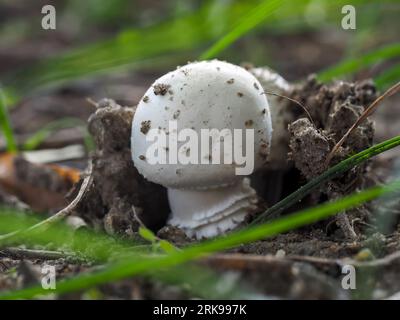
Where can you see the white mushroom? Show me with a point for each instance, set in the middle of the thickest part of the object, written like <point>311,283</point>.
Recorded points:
<point>207,197</point>
<point>272,82</point>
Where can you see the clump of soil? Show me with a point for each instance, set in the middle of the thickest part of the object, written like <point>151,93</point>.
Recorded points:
<point>333,109</point>
<point>118,189</point>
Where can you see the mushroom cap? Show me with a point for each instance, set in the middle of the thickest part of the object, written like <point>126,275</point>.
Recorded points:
<point>270,80</point>
<point>201,95</point>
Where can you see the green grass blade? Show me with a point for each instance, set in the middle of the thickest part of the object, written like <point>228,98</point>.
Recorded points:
<point>6,125</point>
<point>42,134</point>
<point>355,64</point>
<point>251,20</point>
<point>166,43</point>
<point>388,77</point>
<point>97,246</point>
<point>331,173</point>
<point>126,267</point>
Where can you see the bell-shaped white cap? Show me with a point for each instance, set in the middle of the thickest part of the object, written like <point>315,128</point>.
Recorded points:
<point>201,95</point>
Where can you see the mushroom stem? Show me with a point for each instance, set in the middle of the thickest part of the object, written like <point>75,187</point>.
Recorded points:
<point>207,213</point>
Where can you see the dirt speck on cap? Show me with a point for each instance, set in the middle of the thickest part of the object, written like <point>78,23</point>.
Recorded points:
<point>263,150</point>
<point>248,123</point>
<point>145,126</point>
<point>145,99</point>
<point>185,72</point>
<point>256,86</point>
<point>176,114</point>
<point>247,65</point>
<point>240,94</point>
<point>161,89</point>
<point>230,81</point>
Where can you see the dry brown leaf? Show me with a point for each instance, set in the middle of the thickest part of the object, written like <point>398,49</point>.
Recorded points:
<point>43,188</point>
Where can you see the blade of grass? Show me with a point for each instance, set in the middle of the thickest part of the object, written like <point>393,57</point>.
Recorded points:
<point>160,44</point>
<point>126,267</point>
<point>287,17</point>
<point>6,125</point>
<point>99,248</point>
<point>251,20</point>
<point>42,134</point>
<point>355,64</point>
<point>386,78</point>
<point>93,245</point>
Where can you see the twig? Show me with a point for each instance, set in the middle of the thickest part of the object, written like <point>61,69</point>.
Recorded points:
<point>19,253</point>
<point>136,217</point>
<point>367,112</point>
<point>68,210</point>
<point>141,224</point>
<point>295,101</point>
<point>377,263</point>
<point>92,102</point>
<point>383,262</point>
<point>314,260</point>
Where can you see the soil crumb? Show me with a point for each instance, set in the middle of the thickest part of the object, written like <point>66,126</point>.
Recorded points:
<point>161,89</point>
<point>145,126</point>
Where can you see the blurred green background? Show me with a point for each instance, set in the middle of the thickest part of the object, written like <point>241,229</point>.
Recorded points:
<point>116,48</point>
<point>294,37</point>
